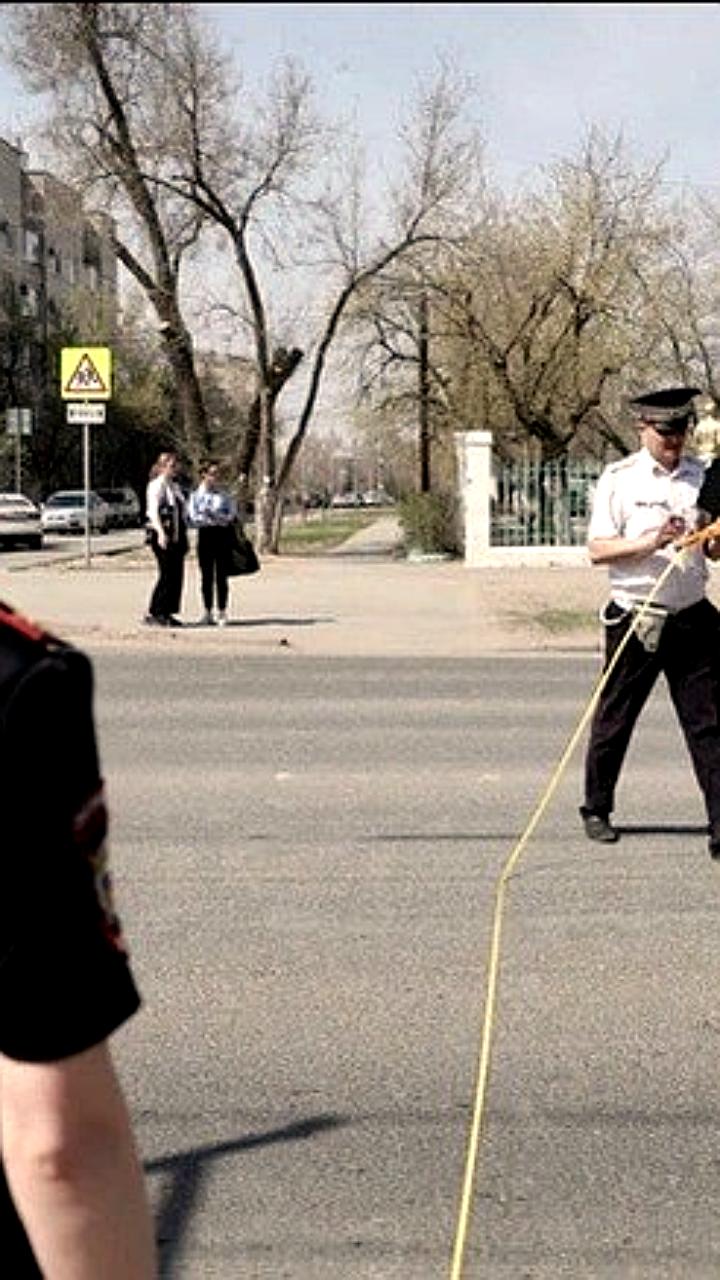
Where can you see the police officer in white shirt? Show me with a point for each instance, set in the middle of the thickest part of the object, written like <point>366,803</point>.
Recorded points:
<point>643,504</point>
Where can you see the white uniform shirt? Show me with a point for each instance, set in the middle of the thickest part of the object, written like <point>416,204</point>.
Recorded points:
<point>635,495</point>
<point>162,492</point>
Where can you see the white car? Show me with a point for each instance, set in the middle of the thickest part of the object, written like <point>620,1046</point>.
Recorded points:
<point>341,500</point>
<point>64,512</point>
<point>20,520</point>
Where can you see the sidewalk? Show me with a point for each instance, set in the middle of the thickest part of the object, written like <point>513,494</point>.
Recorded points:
<point>361,599</point>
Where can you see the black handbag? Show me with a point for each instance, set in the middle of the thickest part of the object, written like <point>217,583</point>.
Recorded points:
<point>242,558</point>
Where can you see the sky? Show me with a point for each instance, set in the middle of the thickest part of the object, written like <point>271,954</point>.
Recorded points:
<point>544,74</point>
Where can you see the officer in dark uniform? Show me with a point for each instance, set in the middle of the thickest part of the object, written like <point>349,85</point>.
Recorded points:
<point>709,496</point>
<point>643,505</point>
<point>65,981</point>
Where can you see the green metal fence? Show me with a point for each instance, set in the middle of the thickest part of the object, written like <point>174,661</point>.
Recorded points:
<point>538,504</point>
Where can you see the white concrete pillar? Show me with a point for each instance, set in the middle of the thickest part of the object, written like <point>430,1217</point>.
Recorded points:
<point>475,478</point>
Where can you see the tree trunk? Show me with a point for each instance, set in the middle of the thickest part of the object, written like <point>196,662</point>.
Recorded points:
<point>284,364</point>
<point>424,395</point>
<point>194,430</point>
<point>267,521</point>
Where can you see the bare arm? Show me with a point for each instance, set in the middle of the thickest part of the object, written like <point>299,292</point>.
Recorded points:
<point>607,550</point>
<point>152,511</point>
<point>73,1170</point>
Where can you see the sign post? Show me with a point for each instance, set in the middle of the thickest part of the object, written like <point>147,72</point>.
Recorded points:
<point>18,423</point>
<point>85,376</point>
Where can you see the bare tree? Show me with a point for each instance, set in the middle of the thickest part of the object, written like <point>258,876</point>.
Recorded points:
<point>444,159</point>
<point>255,194</point>
<point>681,294</point>
<point>147,100</point>
<point>553,309</point>
<point>105,68</point>
<point>540,314</point>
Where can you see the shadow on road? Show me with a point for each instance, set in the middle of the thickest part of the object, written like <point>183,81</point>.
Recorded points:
<point>186,1171</point>
<point>662,829</point>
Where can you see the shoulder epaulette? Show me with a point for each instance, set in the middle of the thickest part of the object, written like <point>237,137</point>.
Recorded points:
<point>622,463</point>
<point>20,625</point>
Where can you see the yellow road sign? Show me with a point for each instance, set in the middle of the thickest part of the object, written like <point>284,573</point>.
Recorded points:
<point>85,373</point>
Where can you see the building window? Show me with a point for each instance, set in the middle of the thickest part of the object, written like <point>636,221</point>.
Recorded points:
<point>32,245</point>
<point>91,247</point>
<point>29,300</point>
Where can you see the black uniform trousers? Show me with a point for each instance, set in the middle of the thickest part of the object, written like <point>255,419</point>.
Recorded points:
<point>165,599</point>
<point>689,657</point>
<point>213,549</point>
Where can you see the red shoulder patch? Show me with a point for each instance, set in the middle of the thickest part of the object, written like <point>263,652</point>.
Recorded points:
<point>25,626</point>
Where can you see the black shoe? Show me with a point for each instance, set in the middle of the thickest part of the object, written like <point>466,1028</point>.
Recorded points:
<point>597,827</point>
<point>172,621</point>
<point>152,620</point>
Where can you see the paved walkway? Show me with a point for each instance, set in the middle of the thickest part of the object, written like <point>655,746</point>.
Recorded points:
<point>363,599</point>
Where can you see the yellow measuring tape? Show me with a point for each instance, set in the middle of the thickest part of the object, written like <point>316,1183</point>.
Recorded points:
<point>494,954</point>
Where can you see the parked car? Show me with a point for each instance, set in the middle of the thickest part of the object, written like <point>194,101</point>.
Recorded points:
<point>64,512</point>
<point>341,500</point>
<point>377,498</point>
<point>124,504</point>
<point>20,520</point>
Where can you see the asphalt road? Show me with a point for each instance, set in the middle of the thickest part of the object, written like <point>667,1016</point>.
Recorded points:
<point>306,854</point>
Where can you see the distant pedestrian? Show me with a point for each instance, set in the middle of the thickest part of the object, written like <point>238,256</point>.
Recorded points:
<point>213,512</point>
<point>166,520</point>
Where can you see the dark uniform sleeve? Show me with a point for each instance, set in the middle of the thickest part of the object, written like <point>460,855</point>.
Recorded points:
<point>65,981</point>
<point>709,495</point>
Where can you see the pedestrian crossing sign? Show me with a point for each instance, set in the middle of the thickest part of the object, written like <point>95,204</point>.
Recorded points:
<point>85,373</point>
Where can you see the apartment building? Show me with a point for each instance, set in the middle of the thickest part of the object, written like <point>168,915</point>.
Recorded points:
<point>57,266</point>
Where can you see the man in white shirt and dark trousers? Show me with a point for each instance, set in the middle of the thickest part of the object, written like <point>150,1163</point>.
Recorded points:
<point>643,505</point>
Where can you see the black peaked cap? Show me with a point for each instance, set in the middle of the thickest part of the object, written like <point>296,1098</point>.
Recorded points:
<point>666,407</point>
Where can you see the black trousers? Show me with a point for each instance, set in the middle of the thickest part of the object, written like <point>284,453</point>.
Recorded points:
<point>212,550</point>
<point>167,593</point>
<point>689,657</point>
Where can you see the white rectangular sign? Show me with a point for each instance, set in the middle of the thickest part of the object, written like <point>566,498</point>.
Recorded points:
<point>77,414</point>
<point>18,420</point>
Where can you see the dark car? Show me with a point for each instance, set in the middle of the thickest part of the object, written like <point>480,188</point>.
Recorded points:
<point>124,506</point>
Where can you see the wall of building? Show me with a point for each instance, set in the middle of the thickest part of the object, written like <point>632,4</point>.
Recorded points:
<point>11,213</point>
<point>58,256</point>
